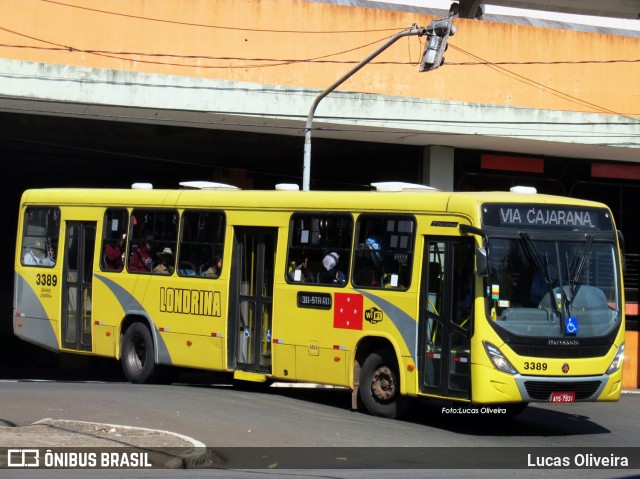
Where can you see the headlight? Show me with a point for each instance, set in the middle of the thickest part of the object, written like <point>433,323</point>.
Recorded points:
<point>498,359</point>
<point>617,360</point>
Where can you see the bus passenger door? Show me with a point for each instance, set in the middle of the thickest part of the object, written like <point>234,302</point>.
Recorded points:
<point>446,317</point>
<point>77,280</point>
<point>251,298</point>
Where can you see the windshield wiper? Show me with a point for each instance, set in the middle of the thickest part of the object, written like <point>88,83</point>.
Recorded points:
<point>534,258</point>
<point>578,265</point>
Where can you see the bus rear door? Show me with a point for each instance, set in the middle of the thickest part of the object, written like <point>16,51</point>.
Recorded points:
<point>251,299</point>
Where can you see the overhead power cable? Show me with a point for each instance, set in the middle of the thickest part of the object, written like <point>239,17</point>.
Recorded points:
<point>533,132</point>
<point>546,88</point>
<point>276,61</point>
<point>125,55</point>
<point>492,65</point>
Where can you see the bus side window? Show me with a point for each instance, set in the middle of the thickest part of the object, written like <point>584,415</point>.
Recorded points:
<point>202,235</point>
<point>384,251</point>
<point>114,236</point>
<point>315,238</point>
<point>153,231</point>
<point>40,236</point>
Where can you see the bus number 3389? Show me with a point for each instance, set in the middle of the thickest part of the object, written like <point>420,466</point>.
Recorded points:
<point>46,280</point>
<point>533,366</point>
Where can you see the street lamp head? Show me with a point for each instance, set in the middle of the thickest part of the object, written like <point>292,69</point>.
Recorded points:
<point>438,32</point>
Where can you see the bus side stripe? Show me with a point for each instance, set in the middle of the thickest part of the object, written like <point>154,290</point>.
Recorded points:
<point>405,324</point>
<point>40,330</point>
<point>129,304</point>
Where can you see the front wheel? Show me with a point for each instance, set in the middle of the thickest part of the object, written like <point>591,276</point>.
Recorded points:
<point>137,357</point>
<point>380,385</point>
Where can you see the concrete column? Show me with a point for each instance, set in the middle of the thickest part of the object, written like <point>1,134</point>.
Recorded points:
<point>437,167</point>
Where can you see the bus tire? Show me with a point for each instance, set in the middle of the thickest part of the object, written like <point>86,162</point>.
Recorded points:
<point>137,357</point>
<point>380,385</point>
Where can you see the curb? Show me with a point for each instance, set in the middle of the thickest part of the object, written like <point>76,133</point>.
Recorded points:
<point>165,449</point>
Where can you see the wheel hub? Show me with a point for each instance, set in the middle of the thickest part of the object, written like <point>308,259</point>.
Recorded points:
<point>382,384</point>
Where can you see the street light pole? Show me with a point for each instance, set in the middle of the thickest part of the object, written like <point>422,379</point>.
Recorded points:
<point>306,172</point>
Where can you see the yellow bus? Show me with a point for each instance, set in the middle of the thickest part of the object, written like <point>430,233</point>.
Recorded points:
<point>482,298</point>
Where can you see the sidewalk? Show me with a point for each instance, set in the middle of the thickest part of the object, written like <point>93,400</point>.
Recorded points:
<point>160,449</point>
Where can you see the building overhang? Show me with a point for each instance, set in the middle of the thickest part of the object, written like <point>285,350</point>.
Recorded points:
<point>628,9</point>
<point>67,91</point>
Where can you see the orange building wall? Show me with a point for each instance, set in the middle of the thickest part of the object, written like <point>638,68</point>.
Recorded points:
<point>230,40</point>
<point>631,357</point>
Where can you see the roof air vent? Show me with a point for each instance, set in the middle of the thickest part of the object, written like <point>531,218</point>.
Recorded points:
<point>206,185</point>
<point>401,186</point>
<point>287,187</point>
<point>523,190</point>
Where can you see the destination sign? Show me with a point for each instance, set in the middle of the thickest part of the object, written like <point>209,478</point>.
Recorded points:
<point>564,217</point>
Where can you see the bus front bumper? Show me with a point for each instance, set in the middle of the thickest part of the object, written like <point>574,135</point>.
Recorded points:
<point>493,386</point>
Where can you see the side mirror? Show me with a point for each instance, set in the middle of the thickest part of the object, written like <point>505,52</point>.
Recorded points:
<point>482,263</point>
<point>622,252</point>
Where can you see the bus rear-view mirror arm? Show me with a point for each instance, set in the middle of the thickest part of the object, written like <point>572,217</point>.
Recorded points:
<point>483,263</point>
<point>622,252</point>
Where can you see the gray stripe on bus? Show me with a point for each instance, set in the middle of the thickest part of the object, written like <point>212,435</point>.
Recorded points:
<point>131,305</point>
<point>37,328</point>
<point>405,324</point>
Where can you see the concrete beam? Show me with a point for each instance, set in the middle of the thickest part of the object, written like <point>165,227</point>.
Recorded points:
<point>80,92</point>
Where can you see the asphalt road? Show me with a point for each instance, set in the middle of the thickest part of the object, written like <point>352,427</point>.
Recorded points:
<point>222,416</point>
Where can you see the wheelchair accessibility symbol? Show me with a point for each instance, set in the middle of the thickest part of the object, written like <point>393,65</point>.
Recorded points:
<point>571,326</point>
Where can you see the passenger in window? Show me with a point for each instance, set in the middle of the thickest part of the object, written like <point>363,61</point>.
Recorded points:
<point>114,253</point>
<point>186,269</point>
<point>215,269</point>
<point>140,260</point>
<point>35,255</point>
<point>50,258</point>
<point>375,244</point>
<point>331,274</point>
<point>305,275</point>
<point>165,266</point>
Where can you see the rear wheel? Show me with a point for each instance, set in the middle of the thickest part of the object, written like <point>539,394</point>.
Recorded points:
<point>380,385</point>
<point>137,357</point>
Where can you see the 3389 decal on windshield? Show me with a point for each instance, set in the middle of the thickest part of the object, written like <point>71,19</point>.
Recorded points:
<point>46,280</point>
<point>534,366</point>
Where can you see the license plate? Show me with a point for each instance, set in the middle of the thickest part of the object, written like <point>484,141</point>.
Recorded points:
<point>563,397</point>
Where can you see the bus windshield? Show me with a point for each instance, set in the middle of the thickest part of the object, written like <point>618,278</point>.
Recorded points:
<point>552,289</point>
